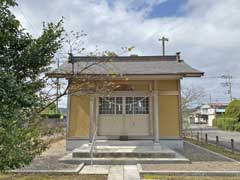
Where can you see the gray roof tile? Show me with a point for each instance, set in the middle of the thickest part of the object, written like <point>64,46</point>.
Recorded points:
<point>127,65</point>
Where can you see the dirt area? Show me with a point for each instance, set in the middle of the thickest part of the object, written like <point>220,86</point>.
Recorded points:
<point>48,160</point>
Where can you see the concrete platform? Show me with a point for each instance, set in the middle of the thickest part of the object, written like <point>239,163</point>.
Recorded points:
<point>123,161</point>
<point>122,153</point>
<point>124,143</point>
<point>72,144</point>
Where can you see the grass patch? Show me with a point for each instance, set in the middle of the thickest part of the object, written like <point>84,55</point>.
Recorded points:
<point>159,177</point>
<point>51,177</point>
<point>217,149</point>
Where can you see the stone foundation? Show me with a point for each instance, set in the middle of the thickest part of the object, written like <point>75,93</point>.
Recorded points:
<point>176,144</point>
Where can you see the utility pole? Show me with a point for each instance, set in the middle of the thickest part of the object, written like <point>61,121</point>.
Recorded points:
<point>210,98</point>
<point>163,39</point>
<point>58,88</point>
<point>228,84</point>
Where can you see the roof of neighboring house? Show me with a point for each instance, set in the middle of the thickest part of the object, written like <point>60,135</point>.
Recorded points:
<point>126,65</point>
<point>215,105</point>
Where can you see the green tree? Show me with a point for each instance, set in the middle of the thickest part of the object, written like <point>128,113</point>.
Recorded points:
<point>51,109</point>
<point>233,109</point>
<point>23,60</point>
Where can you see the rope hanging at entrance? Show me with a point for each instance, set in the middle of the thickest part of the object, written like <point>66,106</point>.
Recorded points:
<point>139,102</point>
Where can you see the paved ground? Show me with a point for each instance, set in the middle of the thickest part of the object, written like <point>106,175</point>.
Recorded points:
<point>126,172</point>
<point>224,136</point>
<point>114,172</point>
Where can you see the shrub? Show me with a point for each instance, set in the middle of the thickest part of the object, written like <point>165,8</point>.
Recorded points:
<point>225,123</point>
<point>51,116</point>
<point>233,109</point>
<point>220,123</point>
<point>215,122</point>
<point>229,123</point>
<point>237,127</point>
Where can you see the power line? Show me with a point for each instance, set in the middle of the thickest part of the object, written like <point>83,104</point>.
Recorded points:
<point>217,77</point>
<point>29,22</point>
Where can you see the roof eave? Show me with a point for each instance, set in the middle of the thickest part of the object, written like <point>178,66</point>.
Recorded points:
<point>136,76</point>
<point>197,74</point>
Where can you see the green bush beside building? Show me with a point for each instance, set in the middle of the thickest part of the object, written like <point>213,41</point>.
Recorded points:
<point>231,119</point>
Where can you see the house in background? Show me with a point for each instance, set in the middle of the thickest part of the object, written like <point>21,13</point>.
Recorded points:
<point>145,105</point>
<point>206,113</point>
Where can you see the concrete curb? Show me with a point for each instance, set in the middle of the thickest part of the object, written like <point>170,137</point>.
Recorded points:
<point>52,172</point>
<point>230,159</point>
<point>187,173</point>
<point>191,173</point>
<point>139,167</point>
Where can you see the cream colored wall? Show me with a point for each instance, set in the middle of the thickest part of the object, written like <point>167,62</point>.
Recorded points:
<point>78,121</point>
<point>78,125</point>
<point>167,85</point>
<point>168,116</point>
<point>168,110</point>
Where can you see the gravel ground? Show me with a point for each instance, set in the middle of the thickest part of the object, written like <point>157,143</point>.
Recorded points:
<point>195,166</point>
<point>194,153</point>
<point>48,160</point>
<point>51,177</point>
<point>202,160</point>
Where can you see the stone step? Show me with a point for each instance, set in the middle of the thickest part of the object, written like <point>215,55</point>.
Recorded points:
<point>124,151</point>
<point>123,161</point>
<point>125,154</point>
<point>124,143</point>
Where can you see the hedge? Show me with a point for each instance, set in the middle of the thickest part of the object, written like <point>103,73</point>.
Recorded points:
<point>233,109</point>
<point>51,116</point>
<point>231,120</point>
<point>227,123</point>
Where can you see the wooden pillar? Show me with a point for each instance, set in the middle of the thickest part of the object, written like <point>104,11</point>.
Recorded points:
<point>91,119</point>
<point>68,114</point>
<point>180,109</point>
<point>151,109</point>
<point>156,128</point>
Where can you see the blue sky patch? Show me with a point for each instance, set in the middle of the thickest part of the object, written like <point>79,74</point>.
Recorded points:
<point>170,8</point>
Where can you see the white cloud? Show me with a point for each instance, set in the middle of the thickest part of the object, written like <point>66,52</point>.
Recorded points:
<point>207,35</point>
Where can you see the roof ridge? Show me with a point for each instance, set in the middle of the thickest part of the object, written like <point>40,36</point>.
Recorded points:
<point>126,58</point>
<point>132,56</point>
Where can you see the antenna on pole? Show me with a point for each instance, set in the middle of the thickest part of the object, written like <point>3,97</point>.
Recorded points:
<point>163,39</point>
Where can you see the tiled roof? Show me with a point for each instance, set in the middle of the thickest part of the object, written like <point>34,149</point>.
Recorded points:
<point>127,65</point>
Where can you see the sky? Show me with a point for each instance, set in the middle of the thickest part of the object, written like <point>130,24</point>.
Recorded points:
<point>206,32</point>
